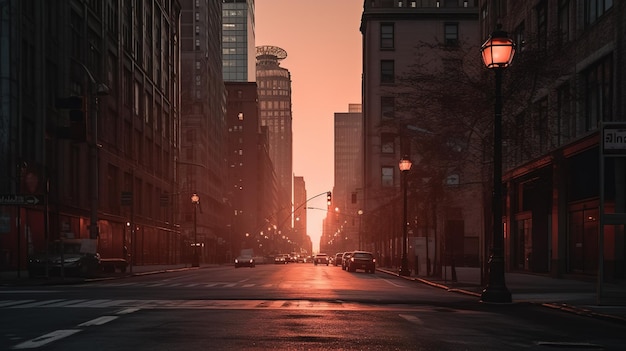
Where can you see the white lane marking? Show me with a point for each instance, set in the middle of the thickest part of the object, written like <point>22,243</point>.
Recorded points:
<point>65,303</point>
<point>37,304</point>
<point>15,302</point>
<point>128,311</point>
<point>90,303</point>
<point>98,321</point>
<point>27,291</point>
<point>394,284</point>
<point>411,318</point>
<point>230,285</point>
<point>247,285</point>
<point>46,339</point>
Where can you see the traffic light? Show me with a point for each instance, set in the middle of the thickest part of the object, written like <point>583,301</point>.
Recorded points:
<point>329,198</point>
<point>73,127</point>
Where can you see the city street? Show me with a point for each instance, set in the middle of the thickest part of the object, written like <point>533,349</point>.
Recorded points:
<point>287,307</point>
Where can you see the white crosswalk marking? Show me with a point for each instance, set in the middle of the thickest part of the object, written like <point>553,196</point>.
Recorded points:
<point>136,305</point>
<point>9,303</point>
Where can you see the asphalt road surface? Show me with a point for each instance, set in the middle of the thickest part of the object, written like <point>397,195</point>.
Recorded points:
<point>282,307</point>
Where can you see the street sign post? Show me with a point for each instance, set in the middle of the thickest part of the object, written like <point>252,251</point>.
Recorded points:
<point>19,199</point>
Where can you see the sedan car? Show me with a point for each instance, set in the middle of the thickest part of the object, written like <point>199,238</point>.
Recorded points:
<point>344,259</point>
<point>244,261</point>
<point>362,260</point>
<point>321,258</point>
<point>337,260</point>
<point>69,264</point>
<point>281,259</point>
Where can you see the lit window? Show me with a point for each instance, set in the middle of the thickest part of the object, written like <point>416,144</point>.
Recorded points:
<point>240,116</point>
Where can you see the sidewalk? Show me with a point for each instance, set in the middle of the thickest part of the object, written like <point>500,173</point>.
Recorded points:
<point>571,295</point>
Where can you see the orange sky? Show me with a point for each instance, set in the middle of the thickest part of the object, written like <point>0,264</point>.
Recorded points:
<point>323,45</point>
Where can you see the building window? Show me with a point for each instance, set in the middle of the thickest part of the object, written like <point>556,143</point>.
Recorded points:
<point>240,116</point>
<point>386,35</point>
<point>451,34</point>
<point>566,34</point>
<point>387,71</point>
<point>542,25</point>
<point>387,176</point>
<point>566,121</point>
<point>387,107</point>
<point>594,9</point>
<point>387,143</point>
<point>598,93</point>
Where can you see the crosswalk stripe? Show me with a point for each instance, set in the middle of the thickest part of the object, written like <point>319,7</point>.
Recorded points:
<point>10,303</point>
<point>64,303</point>
<point>36,304</point>
<point>136,305</point>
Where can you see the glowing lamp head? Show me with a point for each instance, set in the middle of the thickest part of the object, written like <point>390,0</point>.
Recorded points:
<point>405,164</point>
<point>498,50</point>
<point>195,199</point>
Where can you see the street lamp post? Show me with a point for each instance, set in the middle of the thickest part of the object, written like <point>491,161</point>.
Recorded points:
<point>95,89</point>
<point>360,213</point>
<point>195,200</point>
<point>405,165</point>
<point>497,53</point>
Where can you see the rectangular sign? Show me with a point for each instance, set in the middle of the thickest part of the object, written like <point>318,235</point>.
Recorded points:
<point>17,199</point>
<point>614,139</point>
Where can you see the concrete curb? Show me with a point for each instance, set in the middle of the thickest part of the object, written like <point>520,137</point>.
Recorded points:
<point>561,307</point>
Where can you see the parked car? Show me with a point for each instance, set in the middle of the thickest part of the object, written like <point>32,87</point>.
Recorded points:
<point>244,261</point>
<point>66,258</point>
<point>362,260</point>
<point>321,258</point>
<point>337,260</point>
<point>344,259</point>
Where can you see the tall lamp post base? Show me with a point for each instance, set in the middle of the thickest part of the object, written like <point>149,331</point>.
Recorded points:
<point>404,268</point>
<point>496,290</point>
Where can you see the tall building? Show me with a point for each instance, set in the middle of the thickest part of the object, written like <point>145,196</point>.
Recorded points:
<point>562,171</point>
<point>274,84</point>
<point>347,194</point>
<point>404,39</point>
<point>300,216</point>
<point>202,165</point>
<point>114,67</point>
<point>248,160</point>
<point>238,42</point>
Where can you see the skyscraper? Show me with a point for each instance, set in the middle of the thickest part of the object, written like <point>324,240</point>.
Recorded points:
<point>238,40</point>
<point>348,188</point>
<point>274,84</point>
<point>202,165</point>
